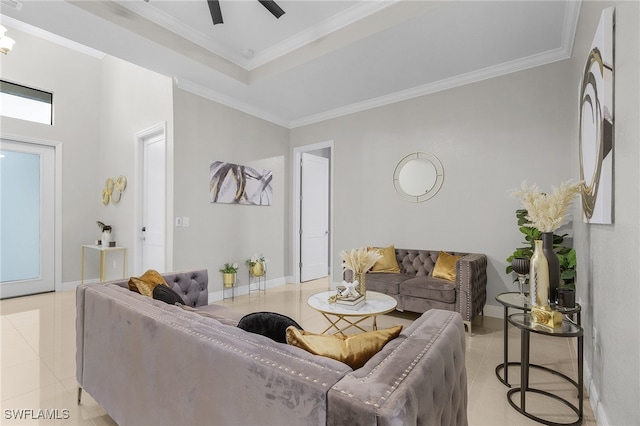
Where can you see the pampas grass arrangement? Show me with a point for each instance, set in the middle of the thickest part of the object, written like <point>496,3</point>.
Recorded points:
<point>360,260</point>
<point>547,212</point>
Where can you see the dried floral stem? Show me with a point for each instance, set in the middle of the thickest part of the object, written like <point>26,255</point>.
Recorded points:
<point>360,260</point>
<point>547,212</point>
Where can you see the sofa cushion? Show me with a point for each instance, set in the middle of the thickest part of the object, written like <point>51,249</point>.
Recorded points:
<point>445,267</point>
<point>429,288</point>
<point>354,350</point>
<point>167,295</point>
<point>269,324</point>
<point>146,282</point>
<point>384,283</point>
<point>388,262</point>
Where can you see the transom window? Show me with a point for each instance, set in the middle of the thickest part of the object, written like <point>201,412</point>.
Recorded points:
<point>25,103</point>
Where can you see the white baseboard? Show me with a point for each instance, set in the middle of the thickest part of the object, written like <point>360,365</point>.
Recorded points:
<point>71,285</point>
<point>594,398</point>
<point>216,296</point>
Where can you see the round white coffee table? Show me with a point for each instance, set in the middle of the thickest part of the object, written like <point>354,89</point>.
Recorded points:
<point>375,304</point>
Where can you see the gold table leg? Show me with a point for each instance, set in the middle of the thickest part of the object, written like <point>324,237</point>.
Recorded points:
<point>103,265</point>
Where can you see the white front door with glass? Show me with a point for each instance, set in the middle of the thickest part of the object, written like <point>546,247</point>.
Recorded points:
<point>27,218</point>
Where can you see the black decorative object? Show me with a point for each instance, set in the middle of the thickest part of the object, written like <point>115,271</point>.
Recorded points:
<point>554,265</point>
<point>521,266</point>
<point>269,324</point>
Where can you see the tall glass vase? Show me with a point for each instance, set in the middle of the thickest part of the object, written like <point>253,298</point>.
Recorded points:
<point>554,266</point>
<point>539,277</point>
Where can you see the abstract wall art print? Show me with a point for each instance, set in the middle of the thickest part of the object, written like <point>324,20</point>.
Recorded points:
<point>236,184</point>
<point>596,129</point>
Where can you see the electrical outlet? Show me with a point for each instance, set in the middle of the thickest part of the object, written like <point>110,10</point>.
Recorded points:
<point>178,221</point>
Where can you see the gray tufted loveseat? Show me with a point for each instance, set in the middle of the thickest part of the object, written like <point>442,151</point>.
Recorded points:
<point>148,362</point>
<point>416,290</point>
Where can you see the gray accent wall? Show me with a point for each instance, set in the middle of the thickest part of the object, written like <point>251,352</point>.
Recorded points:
<point>489,136</point>
<point>206,131</point>
<point>607,283</point>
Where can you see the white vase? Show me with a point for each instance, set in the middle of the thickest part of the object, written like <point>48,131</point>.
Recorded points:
<point>106,238</point>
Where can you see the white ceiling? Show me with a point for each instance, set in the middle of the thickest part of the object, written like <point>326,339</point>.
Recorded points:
<point>321,59</point>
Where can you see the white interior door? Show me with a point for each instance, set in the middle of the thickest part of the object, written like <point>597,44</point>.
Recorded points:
<point>154,198</point>
<point>27,219</point>
<point>314,217</point>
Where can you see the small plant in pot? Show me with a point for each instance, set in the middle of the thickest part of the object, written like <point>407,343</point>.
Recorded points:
<point>229,274</point>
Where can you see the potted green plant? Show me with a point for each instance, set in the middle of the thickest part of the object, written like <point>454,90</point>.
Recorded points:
<point>257,265</point>
<point>229,274</point>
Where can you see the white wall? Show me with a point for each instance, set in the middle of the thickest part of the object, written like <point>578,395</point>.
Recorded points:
<point>74,78</point>
<point>132,99</point>
<point>489,136</point>
<point>218,233</point>
<point>98,104</point>
<point>608,254</point>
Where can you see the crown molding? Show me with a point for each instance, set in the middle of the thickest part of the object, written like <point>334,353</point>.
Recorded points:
<point>53,38</point>
<point>220,98</point>
<point>318,31</point>
<point>347,17</point>
<point>438,86</point>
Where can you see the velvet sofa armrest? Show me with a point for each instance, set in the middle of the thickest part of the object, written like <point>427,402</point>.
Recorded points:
<point>192,285</point>
<point>417,378</point>
<point>471,285</point>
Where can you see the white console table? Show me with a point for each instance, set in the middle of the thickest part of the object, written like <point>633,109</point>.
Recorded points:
<point>103,260</point>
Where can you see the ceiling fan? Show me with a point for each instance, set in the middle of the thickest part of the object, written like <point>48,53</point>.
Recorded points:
<point>216,14</point>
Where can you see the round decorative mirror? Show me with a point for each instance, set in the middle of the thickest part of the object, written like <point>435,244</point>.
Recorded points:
<point>418,177</point>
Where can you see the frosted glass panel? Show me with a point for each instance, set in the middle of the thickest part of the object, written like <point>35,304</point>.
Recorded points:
<point>19,216</point>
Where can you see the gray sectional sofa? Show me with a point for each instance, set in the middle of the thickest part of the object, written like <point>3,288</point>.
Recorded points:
<point>416,290</point>
<point>148,362</point>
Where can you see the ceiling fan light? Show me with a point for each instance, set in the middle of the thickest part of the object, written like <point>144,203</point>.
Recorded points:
<point>6,43</point>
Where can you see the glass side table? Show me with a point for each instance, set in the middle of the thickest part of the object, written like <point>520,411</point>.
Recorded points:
<point>568,329</point>
<point>515,301</point>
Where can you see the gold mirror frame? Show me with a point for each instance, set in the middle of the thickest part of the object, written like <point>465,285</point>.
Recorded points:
<point>432,171</point>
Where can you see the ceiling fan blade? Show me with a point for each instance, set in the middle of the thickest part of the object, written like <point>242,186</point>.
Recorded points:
<point>216,13</point>
<point>272,7</point>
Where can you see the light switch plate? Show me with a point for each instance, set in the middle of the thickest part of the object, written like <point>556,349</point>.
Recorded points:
<point>185,221</point>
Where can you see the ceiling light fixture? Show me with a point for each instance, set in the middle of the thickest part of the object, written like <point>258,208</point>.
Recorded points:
<point>6,43</point>
<point>216,13</point>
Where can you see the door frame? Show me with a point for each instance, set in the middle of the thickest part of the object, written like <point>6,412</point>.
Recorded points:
<point>295,205</point>
<point>140,137</point>
<point>57,202</point>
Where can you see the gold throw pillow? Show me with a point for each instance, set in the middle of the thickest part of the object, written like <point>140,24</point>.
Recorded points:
<point>354,350</point>
<point>147,282</point>
<point>388,262</point>
<point>445,266</point>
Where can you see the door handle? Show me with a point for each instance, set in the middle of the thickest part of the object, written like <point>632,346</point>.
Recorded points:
<point>144,228</point>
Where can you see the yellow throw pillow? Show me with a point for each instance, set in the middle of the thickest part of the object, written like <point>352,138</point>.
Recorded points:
<point>445,266</point>
<point>354,350</point>
<point>147,282</point>
<point>388,262</point>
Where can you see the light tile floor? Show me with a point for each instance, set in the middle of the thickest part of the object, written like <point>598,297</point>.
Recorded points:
<point>37,360</point>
